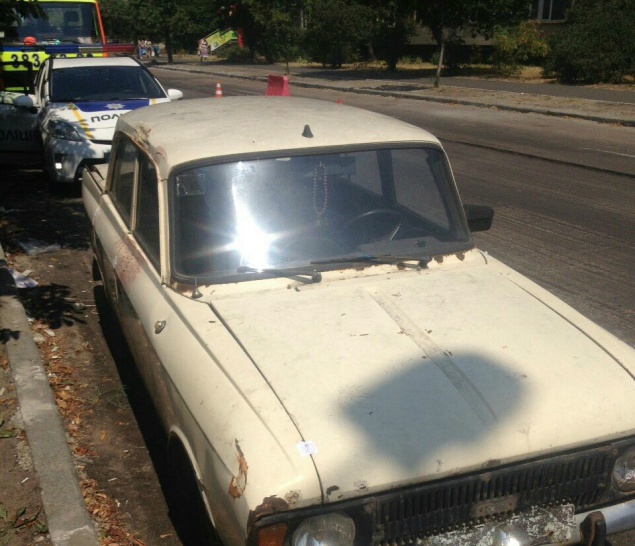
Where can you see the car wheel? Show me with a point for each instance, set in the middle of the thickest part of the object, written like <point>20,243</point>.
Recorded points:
<point>187,510</point>
<point>96,273</point>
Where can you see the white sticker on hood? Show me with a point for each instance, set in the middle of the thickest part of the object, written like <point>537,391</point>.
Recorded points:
<point>306,448</point>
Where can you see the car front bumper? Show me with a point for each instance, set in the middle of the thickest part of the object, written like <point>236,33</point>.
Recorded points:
<point>549,527</point>
<point>65,159</point>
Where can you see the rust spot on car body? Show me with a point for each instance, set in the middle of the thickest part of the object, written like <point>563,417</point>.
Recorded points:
<point>128,263</point>
<point>269,505</point>
<point>292,497</point>
<point>238,483</point>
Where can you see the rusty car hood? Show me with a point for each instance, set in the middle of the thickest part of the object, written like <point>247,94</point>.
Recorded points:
<point>406,376</point>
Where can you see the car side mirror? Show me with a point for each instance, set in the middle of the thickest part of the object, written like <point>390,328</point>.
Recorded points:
<point>25,102</point>
<point>479,217</point>
<point>175,94</point>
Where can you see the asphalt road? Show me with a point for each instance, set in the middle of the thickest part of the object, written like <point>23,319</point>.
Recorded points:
<point>563,191</point>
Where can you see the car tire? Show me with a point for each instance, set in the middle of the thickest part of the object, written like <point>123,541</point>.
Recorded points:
<point>187,510</point>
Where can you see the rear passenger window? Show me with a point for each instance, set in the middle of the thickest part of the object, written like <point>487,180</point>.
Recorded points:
<point>123,179</point>
<point>147,228</point>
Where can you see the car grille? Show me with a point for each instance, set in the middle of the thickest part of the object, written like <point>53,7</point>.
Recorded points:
<point>580,479</point>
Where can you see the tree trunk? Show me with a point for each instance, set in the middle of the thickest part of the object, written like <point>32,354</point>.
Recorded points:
<point>168,45</point>
<point>437,76</point>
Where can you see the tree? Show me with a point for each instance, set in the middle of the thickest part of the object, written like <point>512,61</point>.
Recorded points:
<point>192,20</point>
<point>446,18</point>
<point>12,11</point>
<point>393,27</point>
<point>269,27</point>
<point>336,31</point>
<point>514,46</point>
<point>285,45</point>
<point>177,23</point>
<point>118,19</point>
<point>596,45</point>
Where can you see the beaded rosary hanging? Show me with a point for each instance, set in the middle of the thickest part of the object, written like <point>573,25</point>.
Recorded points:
<point>320,185</point>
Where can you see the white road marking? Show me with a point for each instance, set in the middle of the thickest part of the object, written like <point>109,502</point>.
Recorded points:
<point>609,152</point>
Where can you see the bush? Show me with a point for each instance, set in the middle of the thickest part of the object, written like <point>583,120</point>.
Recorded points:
<point>596,45</point>
<point>234,53</point>
<point>336,32</point>
<point>517,46</point>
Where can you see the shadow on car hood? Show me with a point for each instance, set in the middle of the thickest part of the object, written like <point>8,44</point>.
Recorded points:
<point>418,375</point>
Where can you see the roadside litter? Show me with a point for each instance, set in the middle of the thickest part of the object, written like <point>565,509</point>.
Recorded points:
<point>34,246</point>
<point>22,280</point>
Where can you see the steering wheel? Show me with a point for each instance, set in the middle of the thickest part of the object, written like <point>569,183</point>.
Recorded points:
<point>310,247</point>
<point>373,225</point>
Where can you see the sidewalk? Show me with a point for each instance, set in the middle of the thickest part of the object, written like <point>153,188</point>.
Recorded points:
<point>67,518</point>
<point>600,104</point>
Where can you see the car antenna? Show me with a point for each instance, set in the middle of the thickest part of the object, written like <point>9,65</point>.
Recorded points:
<point>197,293</point>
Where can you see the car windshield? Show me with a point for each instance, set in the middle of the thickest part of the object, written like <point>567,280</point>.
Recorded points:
<point>315,211</point>
<point>63,22</point>
<point>96,83</point>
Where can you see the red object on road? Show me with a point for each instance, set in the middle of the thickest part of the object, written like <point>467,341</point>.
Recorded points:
<point>219,91</point>
<point>278,86</point>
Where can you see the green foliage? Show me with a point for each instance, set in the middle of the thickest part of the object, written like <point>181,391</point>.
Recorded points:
<point>393,27</point>
<point>270,28</point>
<point>176,22</point>
<point>518,45</point>
<point>12,10</point>
<point>282,39</point>
<point>596,45</point>
<point>191,21</point>
<point>337,30</point>
<point>447,18</point>
<point>477,16</point>
<point>117,19</point>
<point>234,53</point>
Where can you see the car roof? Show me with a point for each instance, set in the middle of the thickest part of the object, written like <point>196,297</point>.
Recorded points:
<point>196,129</point>
<point>61,62</point>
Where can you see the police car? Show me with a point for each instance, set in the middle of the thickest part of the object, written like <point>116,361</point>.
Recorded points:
<point>20,142</point>
<point>79,102</point>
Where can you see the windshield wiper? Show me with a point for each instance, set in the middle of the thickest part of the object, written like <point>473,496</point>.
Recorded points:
<point>380,259</point>
<point>293,273</point>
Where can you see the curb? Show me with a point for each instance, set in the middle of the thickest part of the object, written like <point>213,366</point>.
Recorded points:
<point>69,523</point>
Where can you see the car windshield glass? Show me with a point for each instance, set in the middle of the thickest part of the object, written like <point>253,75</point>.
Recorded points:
<point>314,209</point>
<point>97,83</point>
<point>63,22</point>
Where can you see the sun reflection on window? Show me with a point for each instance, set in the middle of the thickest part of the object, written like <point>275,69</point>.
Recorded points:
<point>252,243</point>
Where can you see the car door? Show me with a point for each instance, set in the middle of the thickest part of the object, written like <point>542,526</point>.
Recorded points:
<point>20,140</point>
<point>129,251</point>
<point>42,95</point>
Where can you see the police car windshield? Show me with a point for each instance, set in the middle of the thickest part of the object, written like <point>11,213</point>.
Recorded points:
<point>97,83</point>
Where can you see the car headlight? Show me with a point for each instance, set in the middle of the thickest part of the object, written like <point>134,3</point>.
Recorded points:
<point>325,530</point>
<point>624,472</point>
<point>62,130</point>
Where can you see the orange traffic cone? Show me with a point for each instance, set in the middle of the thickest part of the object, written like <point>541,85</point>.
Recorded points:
<point>219,91</point>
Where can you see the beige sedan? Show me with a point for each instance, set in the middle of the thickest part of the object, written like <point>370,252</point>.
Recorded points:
<point>333,360</point>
